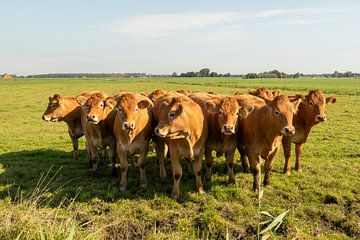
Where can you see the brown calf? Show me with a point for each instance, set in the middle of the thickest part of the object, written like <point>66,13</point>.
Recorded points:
<point>97,119</point>
<point>132,130</point>
<point>183,126</point>
<point>222,115</point>
<point>67,109</point>
<point>311,112</point>
<point>262,131</point>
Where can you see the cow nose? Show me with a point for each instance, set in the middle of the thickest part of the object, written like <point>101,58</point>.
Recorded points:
<point>320,118</point>
<point>157,130</point>
<point>228,127</point>
<point>129,125</point>
<point>289,130</point>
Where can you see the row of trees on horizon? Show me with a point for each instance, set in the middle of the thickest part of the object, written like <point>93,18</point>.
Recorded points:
<point>204,72</point>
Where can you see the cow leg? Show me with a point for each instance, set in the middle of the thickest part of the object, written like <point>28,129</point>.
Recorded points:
<point>244,163</point>
<point>177,172</point>
<point>94,156</point>
<point>197,171</point>
<point>255,168</point>
<point>298,150</point>
<point>209,159</point>
<point>190,166</point>
<point>286,142</point>
<point>124,168</point>
<point>268,166</point>
<point>103,156</point>
<point>112,157</point>
<point>88,154</point>
<point>141,164</point>
<point>160,155</point>
<point>75,143</point>
<point>230,165</point>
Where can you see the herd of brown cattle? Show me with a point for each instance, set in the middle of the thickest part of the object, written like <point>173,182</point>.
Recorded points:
<point>190,125</point>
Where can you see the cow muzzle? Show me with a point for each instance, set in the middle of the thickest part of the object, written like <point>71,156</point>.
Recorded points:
<point>288,131</point>
<point>160,133</point>
<point>228,129</point>
<point>92,118</point>
<point>128,126</point>
<point>320,118</point>
<point>46,118</point>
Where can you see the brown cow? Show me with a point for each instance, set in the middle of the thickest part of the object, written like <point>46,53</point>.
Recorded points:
<point>67,109</point>
<point>311,112</point>
<point>262,131</point>
<point>265,93</point>
<point>97,119</point>
<point>133,131</point>
<point>183,126</point>
<point>222,115</point>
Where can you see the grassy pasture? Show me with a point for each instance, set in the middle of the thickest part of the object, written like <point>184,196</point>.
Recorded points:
<point>45,193</point>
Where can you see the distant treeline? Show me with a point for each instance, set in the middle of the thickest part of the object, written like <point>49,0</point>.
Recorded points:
<point>88,75</point>
<point>204,72</point>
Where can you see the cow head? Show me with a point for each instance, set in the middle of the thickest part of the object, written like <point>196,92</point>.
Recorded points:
<point>185,92</point>
<point>156,94</point>
<point>265,93</point>
<point>128,108</point>
<point>97,108</point>
<point>174,119</point>
<point>281,112</point>
<point>227,111</point>
<point>56,109</point>
<point>314,106</point>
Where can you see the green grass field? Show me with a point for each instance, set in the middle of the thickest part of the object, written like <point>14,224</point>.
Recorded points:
<point>45,194</point>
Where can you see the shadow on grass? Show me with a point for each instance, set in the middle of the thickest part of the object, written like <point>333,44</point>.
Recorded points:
<point>23,169</point>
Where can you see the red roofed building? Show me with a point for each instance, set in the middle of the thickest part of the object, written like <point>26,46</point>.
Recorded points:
<point>6,75</point>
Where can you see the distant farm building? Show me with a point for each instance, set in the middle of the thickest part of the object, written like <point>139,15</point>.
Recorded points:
<point>6,75</point>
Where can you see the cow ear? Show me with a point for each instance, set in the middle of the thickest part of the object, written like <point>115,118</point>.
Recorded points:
<point>296,97</point>
<point>110,102</point>
<point>180,109</point>
<point>145,103</point>
<point>296,104</point>
<point>330,100</point>
<point>211,107</point>
<point>81,100</point>
<point>276,92</point>
<point>244,111</point>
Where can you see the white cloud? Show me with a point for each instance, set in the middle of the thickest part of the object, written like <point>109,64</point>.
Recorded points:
<point>154,26</point>
<point>215,27</point>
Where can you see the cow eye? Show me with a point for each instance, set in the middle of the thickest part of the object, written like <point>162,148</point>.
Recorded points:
<point>172,114</point>
<point>221,112</point>
<point>119,109</point>
<point>136,109</point>
<point>277,112</point>
<point>311,103</point>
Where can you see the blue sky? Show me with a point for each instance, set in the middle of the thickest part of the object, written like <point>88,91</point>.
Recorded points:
<point>166,36</point>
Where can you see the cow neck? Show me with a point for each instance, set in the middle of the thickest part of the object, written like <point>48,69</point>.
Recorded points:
<point>74,115</point>
<point>269,132</point>
<point>301,120</point>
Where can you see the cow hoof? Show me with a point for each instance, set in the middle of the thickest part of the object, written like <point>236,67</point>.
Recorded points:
<point>266,183</point>
<point>201,191</point>
<point>245,169</point>
<point>175,196</point>
<point>143,186</point>
<point>163,176</point>
<point>299,169</point>
<point>122,188</point>
<point>232,181</point>
<point>287,171</point>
